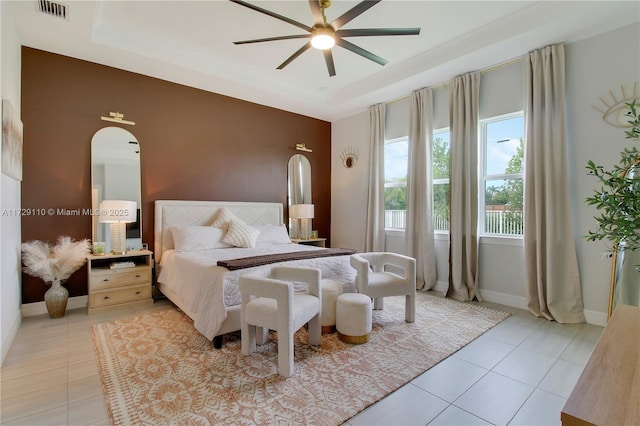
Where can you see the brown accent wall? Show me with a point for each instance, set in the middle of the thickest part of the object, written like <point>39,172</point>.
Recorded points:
<point>194,145</point>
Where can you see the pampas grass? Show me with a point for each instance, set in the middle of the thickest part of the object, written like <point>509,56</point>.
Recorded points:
<point>54,263</point>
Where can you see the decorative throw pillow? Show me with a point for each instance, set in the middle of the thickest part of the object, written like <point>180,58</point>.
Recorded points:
<point>223,218</point>
<point>193,238</point>
<point>240,234</point>
<point>272,234</point>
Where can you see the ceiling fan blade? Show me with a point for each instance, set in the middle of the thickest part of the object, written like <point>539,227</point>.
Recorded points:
<point>353,13</point>
<point>365,32</point>
<point>272,14</point>
<point>316,11</point>
<point>295,55</point>
<point>328,58</point>
<point>360,51</point>
<point>260,40</point>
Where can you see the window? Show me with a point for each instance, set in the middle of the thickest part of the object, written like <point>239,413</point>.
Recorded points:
<point>441,162</point>
<point>396,156</point>
<point>501,175</point>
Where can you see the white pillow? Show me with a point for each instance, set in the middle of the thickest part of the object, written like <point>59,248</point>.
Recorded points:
<point>272,234</point>
<point>193,238</point>
<point>240,234</point>
<point>223,218</point>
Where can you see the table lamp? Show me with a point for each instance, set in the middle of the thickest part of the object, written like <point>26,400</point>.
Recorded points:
<point>117,213</point>
<point>303,213</point>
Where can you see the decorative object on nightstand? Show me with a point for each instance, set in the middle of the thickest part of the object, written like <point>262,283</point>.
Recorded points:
<point>99,247</point>
<point>302,213</point>
<point>118,213</point>
<point>55,265</point>
<point>120,280</point>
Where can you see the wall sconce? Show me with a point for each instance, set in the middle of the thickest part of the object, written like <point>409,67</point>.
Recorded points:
<point>349,156</point>
<point>302,147</point>
<point>117,213</point>
<point>302,215</point>
<point>116,117</point>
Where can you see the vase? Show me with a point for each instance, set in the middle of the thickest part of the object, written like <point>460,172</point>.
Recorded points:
<point>56,300</point>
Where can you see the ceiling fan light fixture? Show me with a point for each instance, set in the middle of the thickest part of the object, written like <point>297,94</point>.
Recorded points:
<point>323,38</point>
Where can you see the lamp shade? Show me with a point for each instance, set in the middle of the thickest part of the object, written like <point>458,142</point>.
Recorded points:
<point>112,211</point>
<point>301,211</point>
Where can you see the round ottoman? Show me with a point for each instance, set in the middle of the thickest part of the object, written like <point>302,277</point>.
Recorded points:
<point>353,318</point>
<point>330,291</point>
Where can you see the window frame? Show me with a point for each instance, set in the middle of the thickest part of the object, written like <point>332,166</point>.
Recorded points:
<point>483,177</point>
<point>396,184</point>
<point>441,181</point>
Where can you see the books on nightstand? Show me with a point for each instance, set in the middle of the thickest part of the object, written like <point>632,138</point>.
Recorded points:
<point>118,265</point>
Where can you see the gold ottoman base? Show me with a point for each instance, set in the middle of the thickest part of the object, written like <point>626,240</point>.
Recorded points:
<point>354,340</point>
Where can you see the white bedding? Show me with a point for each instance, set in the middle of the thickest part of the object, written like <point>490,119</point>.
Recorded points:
<point>207,288</point>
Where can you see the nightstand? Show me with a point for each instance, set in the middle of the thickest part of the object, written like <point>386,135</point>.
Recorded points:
<point>318,242</point>
<point>119,287</point>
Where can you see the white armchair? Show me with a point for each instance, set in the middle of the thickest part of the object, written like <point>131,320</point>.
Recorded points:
<point>376,281</point>
<point>271,303</point>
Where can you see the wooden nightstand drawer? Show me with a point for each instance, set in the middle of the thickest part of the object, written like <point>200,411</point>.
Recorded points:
<point>109,278</point>
<point>128,286</point>
<point>121,295</point>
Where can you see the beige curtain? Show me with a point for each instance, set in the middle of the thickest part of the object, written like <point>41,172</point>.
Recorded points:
<point>551,266</point>
<point>375,214</point>
<point>419,242</point>
<point>463,232</point>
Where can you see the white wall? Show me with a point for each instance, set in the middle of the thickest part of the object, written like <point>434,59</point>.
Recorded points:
<point>349,186</point>
<point>594,66</point>
<point>9,195</point>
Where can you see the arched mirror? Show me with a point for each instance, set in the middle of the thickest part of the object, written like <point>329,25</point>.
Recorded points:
<point>115,175</point>
<point>299,187</point>
<point>299,172</point>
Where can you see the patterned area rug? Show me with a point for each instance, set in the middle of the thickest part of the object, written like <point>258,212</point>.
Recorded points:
<point>157,369</point>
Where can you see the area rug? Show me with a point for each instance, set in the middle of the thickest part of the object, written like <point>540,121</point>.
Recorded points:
<point>157,369</point>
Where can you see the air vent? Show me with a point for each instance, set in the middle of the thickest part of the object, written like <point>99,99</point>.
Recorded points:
<point>52,8</point>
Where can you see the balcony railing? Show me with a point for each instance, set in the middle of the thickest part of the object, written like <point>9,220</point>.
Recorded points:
<point>495,222</point>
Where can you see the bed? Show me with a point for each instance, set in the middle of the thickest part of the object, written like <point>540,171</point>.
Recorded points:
<point>188,249</point>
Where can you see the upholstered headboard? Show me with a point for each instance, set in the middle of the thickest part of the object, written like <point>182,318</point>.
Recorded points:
<point>170,213</point>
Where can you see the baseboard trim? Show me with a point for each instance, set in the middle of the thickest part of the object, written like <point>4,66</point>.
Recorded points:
<point>504,299</point>
<point>7,338</point>
<point>39,308</point>
<point>595,317</point>
<point>592,317</point>
<point>441,286</point>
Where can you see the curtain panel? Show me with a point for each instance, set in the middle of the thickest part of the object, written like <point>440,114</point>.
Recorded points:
<point>463,232</point>
<point>375,239</point>
<point>551,266</point>
<point>419,240</point>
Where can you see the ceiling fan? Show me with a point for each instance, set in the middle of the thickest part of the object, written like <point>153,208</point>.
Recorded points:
<point>324,36</point>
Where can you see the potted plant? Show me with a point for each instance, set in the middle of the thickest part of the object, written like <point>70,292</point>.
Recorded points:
<point>618,198</point>
<point>55,264</point>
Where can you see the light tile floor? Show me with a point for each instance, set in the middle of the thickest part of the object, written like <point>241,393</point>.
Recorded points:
<point>519,373</point>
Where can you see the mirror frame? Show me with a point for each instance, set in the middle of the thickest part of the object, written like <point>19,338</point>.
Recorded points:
<point>299,180</point>
<point>122,156</point>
